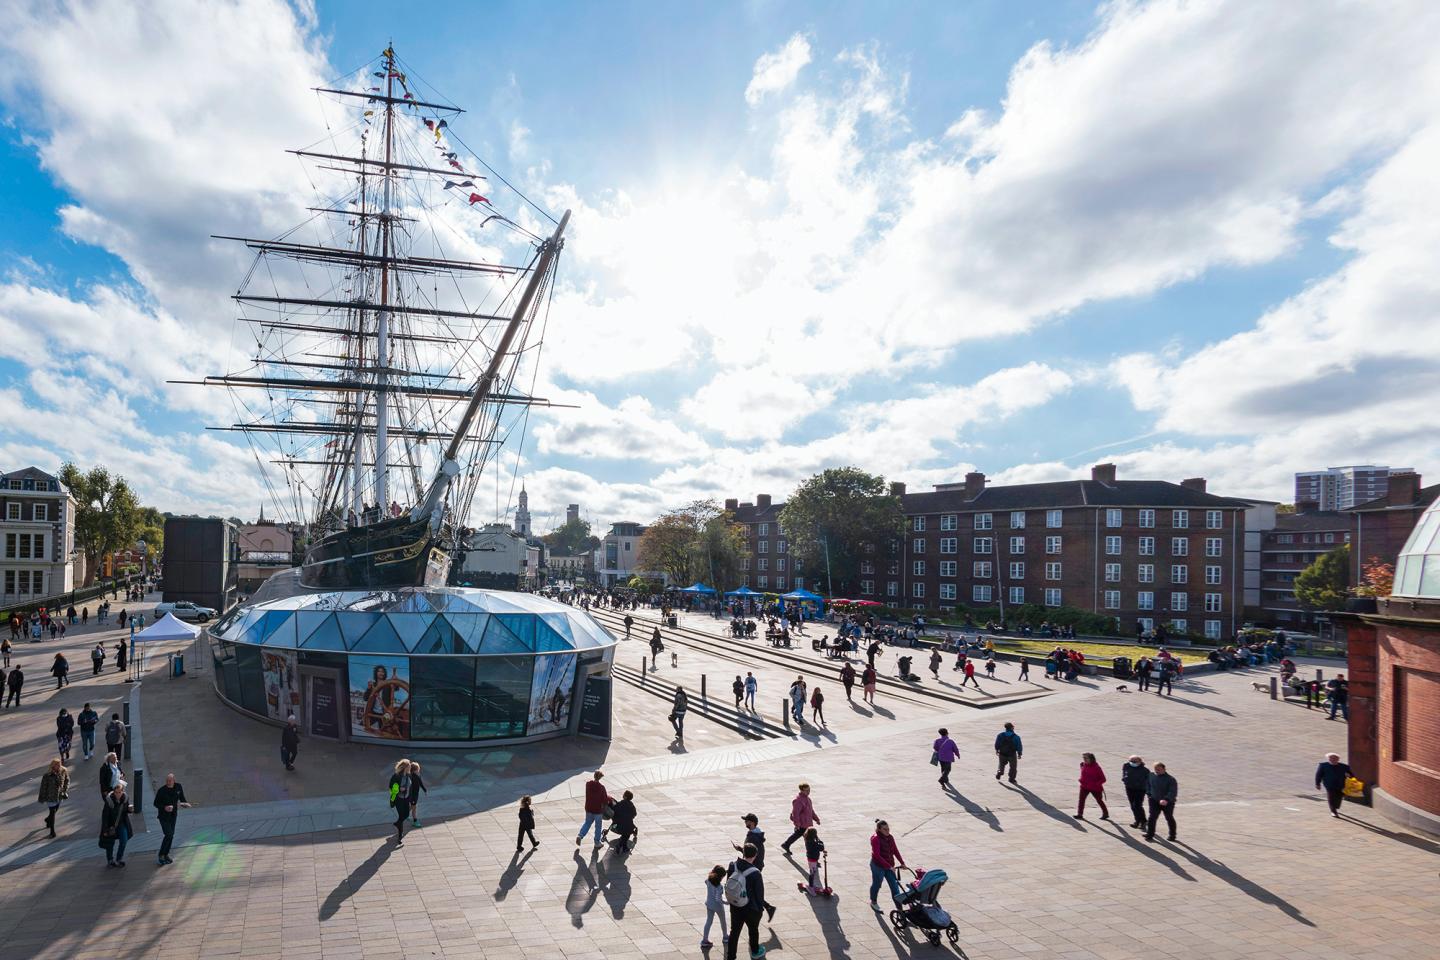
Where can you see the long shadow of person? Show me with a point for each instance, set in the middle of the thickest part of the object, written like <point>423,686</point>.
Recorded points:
<point>1246,886</point>
<point>984,814</point>
<point>512,873</point>
<point>1411,841</point>
<point>1045,808</point>
<point>613,874</point>
<point>853,706</point>
<point>1200,706</point>
<point>827,911</point>
<point>352,884</point>
<point>1149,851</point>
<point>583,891</point>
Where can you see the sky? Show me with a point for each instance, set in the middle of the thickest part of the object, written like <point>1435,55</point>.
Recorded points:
<point>1189,238</point>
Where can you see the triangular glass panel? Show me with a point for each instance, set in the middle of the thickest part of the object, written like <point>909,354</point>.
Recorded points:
<point>306,622</point>
<point>548,641</point>
<point>380,638</point>
<point>499,639</point>
<point>522,625</point>
<point>470,627</point>
<point>410,627</point>
<point>560,623</point>
<point>325,637</point>
<point>354,625</point>
<point>280,632</point>
<point>440,638</point>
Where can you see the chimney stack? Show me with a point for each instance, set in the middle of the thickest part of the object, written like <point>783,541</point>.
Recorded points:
<point>732,505</point>
<point>1103,473</point>
<point>1404,488</point>
<point>1194,483</point>
<point>762,500</point>
<point>974,485</point>
<point>897,489</point>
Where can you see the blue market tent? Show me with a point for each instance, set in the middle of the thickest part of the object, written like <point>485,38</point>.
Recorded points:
<point>802,597</point>
<point>744,592</point>
<point>697,588</point>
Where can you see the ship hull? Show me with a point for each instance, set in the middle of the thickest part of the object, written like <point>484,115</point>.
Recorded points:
<point>392,553</point>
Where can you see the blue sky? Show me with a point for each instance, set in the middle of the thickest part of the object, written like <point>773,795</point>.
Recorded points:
<point>1183,237</point>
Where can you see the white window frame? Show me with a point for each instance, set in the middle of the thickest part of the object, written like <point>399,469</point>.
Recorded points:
<point>1017,519</point>
<point>892,588</point>
<point>949,544</point>
<point>949,521</point>
<point>981,570</point>
<point>917,524</point>
<point>1214,602</point>
<point>1017,570</point>
<point>947,591</point>
<point>1017,545</point>
<point>917,545</point>
<point>1213,574</point>
<point>949,568</point>
<point>1214,520</point>
<point>917,589</point>
<point>1179,573</point>
<point>763,546</point>
<point>1179,601</point>
<point>980,593</point>
<point>1180,519</point>
<point>1214,546</point>
<point>1114,517</point>
<point>917,569</point>
<point>1053,545</point>
<point>1179,546</point>
<point>1145,573</point>
<point>1145,600</point>
<point>1017,595</point>
<point>1112,599</point>
<point>1212,629</point>
<point>40,512</point>
<point>1114,545</point>
<point>1053,570</point>
<point>1147,546</point>
<point>762,529</point>
<point>1054,518</point>
<point>1053,597</point>
<point>1147,518</point>
<point>984,521</point>
<point>983,546</point>
<point>867,586</point>
<point>1112,573</point>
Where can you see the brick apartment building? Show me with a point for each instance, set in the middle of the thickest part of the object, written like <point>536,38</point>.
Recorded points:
<point>1144,551</point>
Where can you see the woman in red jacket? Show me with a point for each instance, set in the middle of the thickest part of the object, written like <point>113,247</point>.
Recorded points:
<point>885,860</point>
<point>1092,782</point>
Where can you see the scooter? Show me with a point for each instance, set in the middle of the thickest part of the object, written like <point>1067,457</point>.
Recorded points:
<point>825,890</point>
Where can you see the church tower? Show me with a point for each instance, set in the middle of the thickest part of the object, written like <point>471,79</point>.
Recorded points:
<point>522,514</point>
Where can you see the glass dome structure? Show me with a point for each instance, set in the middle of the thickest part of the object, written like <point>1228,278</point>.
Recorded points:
<point>436,664</point>
<point>1417,568</point>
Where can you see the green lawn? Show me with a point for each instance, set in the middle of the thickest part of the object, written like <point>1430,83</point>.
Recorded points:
<point>1039,647</point>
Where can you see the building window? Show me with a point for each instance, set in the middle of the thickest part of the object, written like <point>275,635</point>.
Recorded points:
<point>1147,546</point>
<point>892,589</point>
<point>1179,573</point>
<point>917,589</point>
<point>1017,595</point>
<point>1212,629</point>
<point>893,568</point>
<point>1212,602</point>
<point>1112,599</point>
<point>1212,574</point>
<point>39,546</point>
<point>1146,624</point>
<point>744,563</point>
<point>1179,601</point>
<point>949,521</point>
<point>1329,538</point>
<point>1214,519</point>
<point>918,568</point>
<point>947,591</point>
<point>1146,572</point>
<point>980,569</point>
<point>1052,596</point>
<point>983,545</point>
<point>1180,519</point>
<point>1052,570</point>
<point>1054,518</point>
<point>1017,519</point>
<point>1017,544</point>
<point>1145,600</point>
<point>1212,546</point>
<point>949,545</point>
<point>1017,570</point>
<point>917,545</point>
<point>40,511</point>
<point>949,568</point>
<point>917,524</point>
<point>12,511</point>
<point>762,581</point>
<point>796,565</point>
<point>1147,518</point>
<point>980,593</point>
<point>1052,545</point>
<point>1179,546</point>
<point>867,566</point>
<point>1112,546</point>
<point>780,546</point>
<point>763,529</point>
<point>1114,517</point>
<point>1112,573</point>
<point>779,563</point>
<point>764,564</point>
<point>762,547</point>
<point>983,521</point>
<point>1181,626</point>
<point>1285,538</point>
<point>867,586</point>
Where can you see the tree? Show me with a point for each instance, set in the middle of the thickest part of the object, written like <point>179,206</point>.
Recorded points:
<point>1323,584</point>
<point>699,541</point>
<point>152,531</point>
<point>847,514</point>
<point>572,538</point>
<point>107,515</point>
<point>1377,578</point>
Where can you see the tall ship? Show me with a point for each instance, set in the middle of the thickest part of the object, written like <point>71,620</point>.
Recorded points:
<point>392,336</point>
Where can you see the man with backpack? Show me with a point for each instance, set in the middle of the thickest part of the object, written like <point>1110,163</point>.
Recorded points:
<point>1009,750</point>
<point>745,894</point>
<point>114,735</point>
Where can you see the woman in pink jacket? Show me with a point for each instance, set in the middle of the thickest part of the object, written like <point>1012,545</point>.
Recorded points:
<point>1092,781</point>
<point>885,861</point>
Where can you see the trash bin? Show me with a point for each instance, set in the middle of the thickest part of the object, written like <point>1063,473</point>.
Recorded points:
<point>177,664</point>
<point>673,621</point>
<point>1121,668</point>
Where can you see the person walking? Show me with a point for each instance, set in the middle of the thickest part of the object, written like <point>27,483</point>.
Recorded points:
<point>121,649</point>
<point>847,679</point>
<point>738,688</point>
<point>1008,750</point>
<point>745,894</point>
<point>802,815</point>
<point>1339,689</point>
<point>935,660</point>
<point>527,826</point>
<point>1092,784</point>
<point>1143,671</point>
<point>1024,669</point>
<point>1332,774</point>
<point>88,720</point>
<point>678,707</point>
<point>169,801</point>
<point>6,646</point>
<point>417,787</point>
<point>885,861</point>
<point>945,752</point>
<point>715,907</point>
<point>401,793</point>
<point>115,829</point>
<point>622,821</point>
<point>990,667</point>
<point>970,674</point>
<point>110,774</point>
<point>290,742</point>
<point>13,685</point>
<point>1136,777</point>
<point>867,684</point>
<point>60,670</point>
<point>54,788</point>
<point>64,733</point>
<point>115,735</point>
<point>1166,683</point>
<point>752,686</point>
<point>797,700</point>
<point>596,800</point>
<point>629,622</point>
<point>1162,793</point>
<point>656,645</point>
<point>97,659</point>
<point>817,706</point>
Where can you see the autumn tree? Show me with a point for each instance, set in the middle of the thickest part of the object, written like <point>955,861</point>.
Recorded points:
<point>107,515</point>
<point>1377,578</point>
<point>1324,584</point>
<point>697,542</point>
<point>846,515</point>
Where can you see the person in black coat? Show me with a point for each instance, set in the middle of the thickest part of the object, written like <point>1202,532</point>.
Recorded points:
<point>1162,791</point>
<point>622,821</point>
<point>13,684</point>
<point>115,826</point>
<point>109,774</point>
<point>1332,774</point>
<point>290,743</point>
<point>527,826</point>
<point>169,800</point>
<point>1136,777</point>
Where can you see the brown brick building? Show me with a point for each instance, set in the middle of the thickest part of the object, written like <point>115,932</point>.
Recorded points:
<point>767,565</point>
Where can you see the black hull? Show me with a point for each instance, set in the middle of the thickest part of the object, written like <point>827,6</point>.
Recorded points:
<point>388,554</point>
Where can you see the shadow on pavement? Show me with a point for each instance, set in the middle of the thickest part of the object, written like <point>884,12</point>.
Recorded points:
<point>1246,886</point>
<point>584,891</point>
<point>360,876</point>
<point>1148,850</point>
<point>1046,808</point>
<point>984,814</point>
<point>1410,840</point>
<point>1200,706</point>
<point>512,874</point>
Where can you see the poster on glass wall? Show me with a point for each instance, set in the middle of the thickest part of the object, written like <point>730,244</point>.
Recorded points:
<point>282,683</point>
<point>551,692</point>
<point>380,697</point>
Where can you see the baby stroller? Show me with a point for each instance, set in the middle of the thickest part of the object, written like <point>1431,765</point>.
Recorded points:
<point>919,907</point>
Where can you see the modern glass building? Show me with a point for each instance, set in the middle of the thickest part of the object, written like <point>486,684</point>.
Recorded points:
<point>428,665</point>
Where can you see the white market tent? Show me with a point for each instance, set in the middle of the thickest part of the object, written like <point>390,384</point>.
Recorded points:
<point>168,627</point>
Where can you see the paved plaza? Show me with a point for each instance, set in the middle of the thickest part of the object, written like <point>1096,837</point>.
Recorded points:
<point>301,865</point>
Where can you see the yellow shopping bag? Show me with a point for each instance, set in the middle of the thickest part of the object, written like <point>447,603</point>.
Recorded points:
<point>1354,788</point>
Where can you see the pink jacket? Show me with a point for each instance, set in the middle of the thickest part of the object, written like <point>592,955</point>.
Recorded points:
<point>802,811</point>
<point>884,852</point>
<point>1091,776</point>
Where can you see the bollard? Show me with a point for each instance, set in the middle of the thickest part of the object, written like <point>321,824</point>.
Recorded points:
<point>1319,676</point>
<point>643,667</point>
<point>1274,688</point>
<point>785,712</point>
<point>138,776</point>
<point>703,694</point>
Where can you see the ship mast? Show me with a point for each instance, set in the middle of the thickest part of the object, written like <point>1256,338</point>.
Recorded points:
<point>382,320</point>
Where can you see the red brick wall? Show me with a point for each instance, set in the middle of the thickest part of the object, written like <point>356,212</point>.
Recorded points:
<point>1360,641</point>
<point>1407,732</point>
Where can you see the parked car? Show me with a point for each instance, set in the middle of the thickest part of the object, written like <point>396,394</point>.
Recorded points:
<point>185,610</point>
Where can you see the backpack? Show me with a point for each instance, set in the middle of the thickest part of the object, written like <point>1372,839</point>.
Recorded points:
<point>737,894</point>
<point>115,732</point>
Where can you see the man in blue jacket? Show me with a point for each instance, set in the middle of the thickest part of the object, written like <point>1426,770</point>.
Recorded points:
<point>1332,775</point>
<point>1008,749</point>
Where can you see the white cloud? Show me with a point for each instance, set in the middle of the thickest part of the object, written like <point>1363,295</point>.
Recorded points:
<point>776,71</point>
